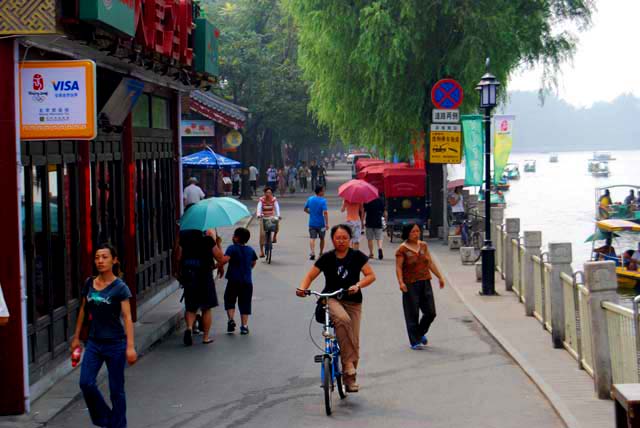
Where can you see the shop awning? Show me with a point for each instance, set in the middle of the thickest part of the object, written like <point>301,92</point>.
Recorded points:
<point>218,109</point>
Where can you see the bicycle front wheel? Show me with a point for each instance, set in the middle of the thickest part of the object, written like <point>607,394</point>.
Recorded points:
<point>326,385</point>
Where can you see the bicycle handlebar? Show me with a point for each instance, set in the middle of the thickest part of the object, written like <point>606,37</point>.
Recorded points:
<point>334,294</point>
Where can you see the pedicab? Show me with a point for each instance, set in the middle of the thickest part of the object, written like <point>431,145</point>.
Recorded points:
<point>374,174</point>
<point>362,163</point>
<point>404,190</point>
<point>626,233</point>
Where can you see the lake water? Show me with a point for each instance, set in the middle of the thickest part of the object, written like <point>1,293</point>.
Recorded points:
<point>559,198</point>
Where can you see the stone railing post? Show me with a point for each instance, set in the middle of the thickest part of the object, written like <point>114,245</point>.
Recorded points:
<point>512,230</point>
<point>560,260</point>
<point>497,217</point>
<point>532,243</point>
<point>600,280</point>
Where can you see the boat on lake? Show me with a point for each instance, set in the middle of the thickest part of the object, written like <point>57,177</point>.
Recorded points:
<point>503,184</point>
<point>615,202</point>
<point>621,234</point>
<point>603,156</point>
<point>600,169</point>
<point>553,158</point>
<point>512,171</point>
<point>530,165</point>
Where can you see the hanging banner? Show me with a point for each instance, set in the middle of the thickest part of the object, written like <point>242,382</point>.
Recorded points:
<point>503,140</point>
<point>58,100</point>
<point>473,139</point>
<point>197,128</point>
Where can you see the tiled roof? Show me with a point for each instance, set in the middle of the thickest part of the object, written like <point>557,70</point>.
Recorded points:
<point>220,104</point>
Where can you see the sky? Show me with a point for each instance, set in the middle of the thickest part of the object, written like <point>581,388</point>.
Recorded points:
<point>606,63</point>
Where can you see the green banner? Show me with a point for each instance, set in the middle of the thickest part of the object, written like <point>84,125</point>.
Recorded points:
<point>206,47</point>
<point>503,140</point>
<point>473,140</point>
<point>117,14</point>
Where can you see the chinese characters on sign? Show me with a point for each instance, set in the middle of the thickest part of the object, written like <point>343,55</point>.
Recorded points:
<point>445,144</point>
<point>57,100</point>
<point>445,116</point>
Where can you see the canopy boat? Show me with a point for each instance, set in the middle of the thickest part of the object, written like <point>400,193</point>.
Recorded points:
<point>602,156</point>
<point>497,198</point>
<point>627,262</point>
<point>619,204</point>
<point>503,184</point>
<point>553,158</point>
<point>600,169</point>
<point>512,171</point>
<point>530,165</point>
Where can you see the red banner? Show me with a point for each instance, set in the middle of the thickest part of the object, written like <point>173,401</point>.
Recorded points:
<point>418,150</point>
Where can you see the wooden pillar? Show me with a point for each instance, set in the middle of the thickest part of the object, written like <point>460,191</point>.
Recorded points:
<point>130,255</point>
<point>12,391</point>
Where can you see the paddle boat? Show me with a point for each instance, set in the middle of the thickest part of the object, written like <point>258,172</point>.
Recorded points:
<point>553,158</point>
<point>497,198</point>
<point>503,184</point>
<point>618,204</point>
<point>603,156</point>
<point>530,165</point>
<point>600,169</point>
<point>626,233</point>
<point>512,171</point>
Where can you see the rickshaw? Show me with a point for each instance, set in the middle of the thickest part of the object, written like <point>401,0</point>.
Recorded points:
<point>374,174</point>
<point>361,163</point>
<point>629,232</point>
<point>404,191</point>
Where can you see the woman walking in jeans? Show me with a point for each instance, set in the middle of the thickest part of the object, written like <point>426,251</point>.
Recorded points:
<point>105,299</point>
<point>414,267</point>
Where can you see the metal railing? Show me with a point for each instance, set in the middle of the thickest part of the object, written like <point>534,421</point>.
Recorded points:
<point>585,329</point>
<point>571,336</point>
<point>522,253</point>
<point>517,266</point>
<point>497,230</point>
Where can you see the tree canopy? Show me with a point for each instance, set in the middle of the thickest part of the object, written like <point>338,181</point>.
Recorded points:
<point>259,70</point>
<point>371,63</point>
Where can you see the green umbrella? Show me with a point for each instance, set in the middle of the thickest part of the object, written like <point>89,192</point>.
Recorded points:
<point>599,235</point>
<point>213,212</point>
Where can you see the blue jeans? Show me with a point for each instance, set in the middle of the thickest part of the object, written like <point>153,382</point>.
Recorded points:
<point>114,354</point>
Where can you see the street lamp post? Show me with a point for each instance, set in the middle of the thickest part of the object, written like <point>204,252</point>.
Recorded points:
<point>487,88</point>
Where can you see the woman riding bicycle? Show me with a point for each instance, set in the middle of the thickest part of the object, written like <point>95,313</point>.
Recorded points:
<point>267,207</point>
<point>342,268</point>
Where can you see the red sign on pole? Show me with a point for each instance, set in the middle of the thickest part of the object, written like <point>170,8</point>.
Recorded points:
<point>447,94</point>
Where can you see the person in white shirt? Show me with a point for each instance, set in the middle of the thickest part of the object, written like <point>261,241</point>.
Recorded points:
<point>253,178</point>
<point>192,193</point>
<point>457,204</point>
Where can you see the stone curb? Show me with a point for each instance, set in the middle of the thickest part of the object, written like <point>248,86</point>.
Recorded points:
<point>556,402</point>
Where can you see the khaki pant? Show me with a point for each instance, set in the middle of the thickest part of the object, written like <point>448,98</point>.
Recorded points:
<point>346,319</point>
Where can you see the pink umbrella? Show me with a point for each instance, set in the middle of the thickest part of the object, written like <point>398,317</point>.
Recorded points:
<point>358,191</point>
<point>455,183</point>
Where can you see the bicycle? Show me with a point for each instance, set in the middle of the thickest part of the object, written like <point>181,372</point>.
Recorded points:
<point>330,373</point>
<point>269,224</point>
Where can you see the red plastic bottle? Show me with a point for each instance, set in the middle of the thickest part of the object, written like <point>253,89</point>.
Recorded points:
<point>75,356</point>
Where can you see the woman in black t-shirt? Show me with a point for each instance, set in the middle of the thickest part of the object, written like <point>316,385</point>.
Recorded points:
<point>342,268</point>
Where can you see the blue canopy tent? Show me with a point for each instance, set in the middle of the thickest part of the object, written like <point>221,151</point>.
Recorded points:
<point>210,160</point>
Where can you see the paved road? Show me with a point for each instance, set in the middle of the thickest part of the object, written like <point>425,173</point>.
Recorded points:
<point>269,379</point>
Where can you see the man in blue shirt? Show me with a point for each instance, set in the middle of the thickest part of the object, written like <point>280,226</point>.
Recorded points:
<point>316,207</point>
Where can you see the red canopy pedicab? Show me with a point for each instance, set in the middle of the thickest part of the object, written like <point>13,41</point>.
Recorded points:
<point>404,191</point>
<point>374,174</point>
<point>362,163</point>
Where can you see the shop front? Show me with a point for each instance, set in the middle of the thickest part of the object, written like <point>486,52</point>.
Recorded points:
<point>67,188</point>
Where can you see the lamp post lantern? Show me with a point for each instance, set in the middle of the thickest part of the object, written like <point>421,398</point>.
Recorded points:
<point>487,88</point>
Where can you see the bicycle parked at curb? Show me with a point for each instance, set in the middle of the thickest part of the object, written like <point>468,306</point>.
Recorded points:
<point>270,225</point>
<point>330,372</point>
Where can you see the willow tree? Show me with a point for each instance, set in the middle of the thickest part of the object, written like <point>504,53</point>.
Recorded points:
<point>371,63</point>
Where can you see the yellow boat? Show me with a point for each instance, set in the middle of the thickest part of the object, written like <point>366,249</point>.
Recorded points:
<point>626,278</point>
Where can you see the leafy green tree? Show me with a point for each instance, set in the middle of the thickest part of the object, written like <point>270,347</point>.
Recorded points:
<point>371,63</point>
<point>259,70</point>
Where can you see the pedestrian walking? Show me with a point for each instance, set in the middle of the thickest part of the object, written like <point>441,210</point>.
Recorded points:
<point>355,212</point>
<point>282,182</point>
<point>241,259</point>
<point>322,175</point>
<point>314,174</point>
<point>268,206</point>
<point>292,177</point>
<point>236,179</point>
<point>197,255</point>
<point>253,179</point>
<point>272,177</point>
<point>303,175</point>
<point>414,267</point>
<point>374,212</point>
<point>342,268</point>
<point>105,300</point>
<point>192,193</point>
<point>316,207</point>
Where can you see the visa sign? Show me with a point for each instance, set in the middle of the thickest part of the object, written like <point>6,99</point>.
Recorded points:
<point>66,85</point>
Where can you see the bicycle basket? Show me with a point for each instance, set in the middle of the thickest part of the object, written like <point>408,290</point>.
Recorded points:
<point>269,224</point>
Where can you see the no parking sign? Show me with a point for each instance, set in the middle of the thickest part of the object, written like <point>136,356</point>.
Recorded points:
<point>447,94</point>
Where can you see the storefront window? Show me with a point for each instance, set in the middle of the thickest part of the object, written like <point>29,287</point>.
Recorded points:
<point>141,112</point>
<point>159,113</point>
